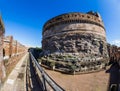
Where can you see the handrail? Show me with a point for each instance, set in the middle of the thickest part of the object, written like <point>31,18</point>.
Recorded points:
<point>45,76</point>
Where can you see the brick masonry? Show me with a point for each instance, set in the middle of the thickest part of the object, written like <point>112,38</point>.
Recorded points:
<point>12,47</point>
<point>2,68</point>
<point>76,34</point>
<point>114,53</point>
<point>8,48</point>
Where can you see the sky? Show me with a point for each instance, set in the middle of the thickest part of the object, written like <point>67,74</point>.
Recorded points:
<point>24,19</point>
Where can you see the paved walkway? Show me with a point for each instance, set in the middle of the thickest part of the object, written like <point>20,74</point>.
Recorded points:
<point>16,79</point>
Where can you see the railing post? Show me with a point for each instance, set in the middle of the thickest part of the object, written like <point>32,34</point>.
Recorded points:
<point>44,84</point>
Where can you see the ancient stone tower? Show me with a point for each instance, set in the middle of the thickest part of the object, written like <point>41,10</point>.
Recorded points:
<point>76,34</point>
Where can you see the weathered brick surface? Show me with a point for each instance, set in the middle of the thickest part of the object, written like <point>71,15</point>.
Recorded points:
<point>2,68</point>
<point>14,51</point>
<point>8,46</point>
<point>20,48</point>
<point>12,47</point>
<point>81,32</point>
<point>114,53</point>
<point>1,39</point>
<point>78,35</point>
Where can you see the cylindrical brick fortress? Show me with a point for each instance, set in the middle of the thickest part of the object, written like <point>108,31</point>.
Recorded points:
<point>76,34</point>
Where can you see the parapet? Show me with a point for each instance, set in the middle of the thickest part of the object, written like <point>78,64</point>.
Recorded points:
<point>89,17</point>
<point>2,29</point>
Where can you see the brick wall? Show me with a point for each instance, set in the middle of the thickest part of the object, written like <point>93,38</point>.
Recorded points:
<point>14,51</point>
<point>8,46</point>
<point>12,47</point>
<point>114,53</point>
<point>2,68</point>
<point>20,48</point>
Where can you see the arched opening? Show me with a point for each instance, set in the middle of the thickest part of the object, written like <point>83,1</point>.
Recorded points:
<point>3,52</point>
<point>114,87</point>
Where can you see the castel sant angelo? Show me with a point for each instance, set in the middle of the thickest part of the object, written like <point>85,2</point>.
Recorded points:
<point>78,39</point>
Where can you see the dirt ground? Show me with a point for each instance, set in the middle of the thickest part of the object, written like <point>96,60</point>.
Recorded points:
<point>85,82</point>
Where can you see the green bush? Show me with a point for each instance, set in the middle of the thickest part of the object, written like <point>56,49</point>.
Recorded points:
<point>40,60</point>
<point>52,64</point>
<point>73,68</point>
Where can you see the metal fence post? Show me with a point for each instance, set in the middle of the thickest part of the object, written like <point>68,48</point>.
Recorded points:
<point>44,84</point>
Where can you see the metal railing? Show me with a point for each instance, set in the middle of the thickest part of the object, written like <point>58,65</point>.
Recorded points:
<point>46,80</point>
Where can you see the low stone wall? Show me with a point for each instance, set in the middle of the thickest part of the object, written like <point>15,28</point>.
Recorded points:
<point>68,64</point>
<point>10,64</point>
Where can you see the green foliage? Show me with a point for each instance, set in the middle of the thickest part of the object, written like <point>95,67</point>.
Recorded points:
<point>60,57</point>
<point>40,60</point>
<point>38,49</point>
<point>72,68</point>
<point>52,64</point>
<point>44,59</point>
<point>69,56</point>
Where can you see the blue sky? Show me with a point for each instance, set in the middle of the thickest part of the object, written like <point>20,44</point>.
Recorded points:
<point>24,19</point>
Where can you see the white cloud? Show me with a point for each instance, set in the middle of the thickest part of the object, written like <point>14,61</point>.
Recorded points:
<point>116,42</point>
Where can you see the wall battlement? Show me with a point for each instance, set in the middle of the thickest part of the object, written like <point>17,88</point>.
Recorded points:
<point>12,47</point>
<point>89,17</point>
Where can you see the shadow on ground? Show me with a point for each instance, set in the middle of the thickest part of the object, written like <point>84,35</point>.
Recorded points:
<point>114,79</point>
<point>33,83</point>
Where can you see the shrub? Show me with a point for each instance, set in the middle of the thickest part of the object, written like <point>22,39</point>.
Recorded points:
<point>73,68</point>
<point>52,65</point>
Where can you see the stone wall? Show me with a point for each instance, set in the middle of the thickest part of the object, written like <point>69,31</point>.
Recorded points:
<point>76,34</point>
<point>14,51</point>
<point>12,47</point>
<point>90,17</point>
<point>2,68</point>
<point>8,46</point>
<point>21,48</point>
<point>8,49</point>
<point>114,53</point>
<point>76,43</point>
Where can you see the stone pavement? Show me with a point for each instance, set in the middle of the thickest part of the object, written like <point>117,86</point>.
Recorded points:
<point>16,79</point>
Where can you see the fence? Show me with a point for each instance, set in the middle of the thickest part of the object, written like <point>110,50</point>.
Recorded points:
<point>48,83</point>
